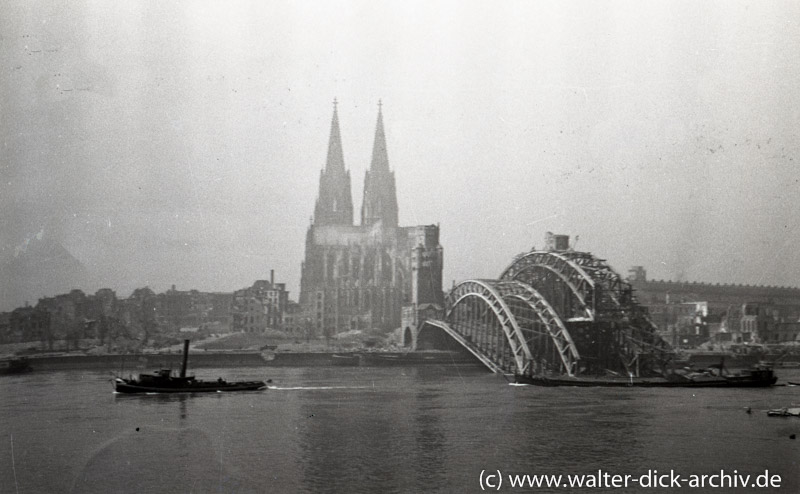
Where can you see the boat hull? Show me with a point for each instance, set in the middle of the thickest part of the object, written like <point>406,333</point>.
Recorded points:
<point>379,359</point>
<point>345,360</point>
<point>130,387</point>
<point>15,366</point>
<point>759,379</point>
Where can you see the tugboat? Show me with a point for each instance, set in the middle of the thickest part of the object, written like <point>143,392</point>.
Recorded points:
<point>163,381</point>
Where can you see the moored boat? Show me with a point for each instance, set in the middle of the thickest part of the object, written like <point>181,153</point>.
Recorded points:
<point>347,360</point>
<point>381,359</point>
<point>15,366</point>
<point>759,377</point>
<point>163,381</point>
<point>784,412</point>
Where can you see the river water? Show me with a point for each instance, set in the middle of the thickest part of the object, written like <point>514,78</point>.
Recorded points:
<point>378,430</point>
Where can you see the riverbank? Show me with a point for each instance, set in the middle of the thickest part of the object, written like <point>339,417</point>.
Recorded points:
<point>128,362</point>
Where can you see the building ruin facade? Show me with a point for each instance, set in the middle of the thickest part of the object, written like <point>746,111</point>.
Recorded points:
<point>691,313</point>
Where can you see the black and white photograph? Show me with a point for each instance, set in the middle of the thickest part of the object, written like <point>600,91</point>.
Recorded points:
<point>353,246</point>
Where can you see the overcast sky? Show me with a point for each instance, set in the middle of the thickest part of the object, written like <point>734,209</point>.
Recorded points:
<point>168,142</point>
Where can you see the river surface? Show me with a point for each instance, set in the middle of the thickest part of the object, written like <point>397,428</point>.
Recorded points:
<point>379,430</point>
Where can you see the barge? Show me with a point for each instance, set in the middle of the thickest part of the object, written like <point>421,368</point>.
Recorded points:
<point>760,377</point>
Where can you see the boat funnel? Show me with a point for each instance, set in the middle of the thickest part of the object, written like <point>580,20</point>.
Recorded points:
<point>185,357</point>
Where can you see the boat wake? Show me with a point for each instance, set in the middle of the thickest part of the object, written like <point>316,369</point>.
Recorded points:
<point>300,388</point>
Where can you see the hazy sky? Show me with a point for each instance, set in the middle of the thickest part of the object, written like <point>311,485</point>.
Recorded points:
<point>176,142</point>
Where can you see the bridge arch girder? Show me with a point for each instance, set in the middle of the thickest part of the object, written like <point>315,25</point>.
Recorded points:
<point>554,326</point>
<point>604,292</point>
<point>520,311</point>
<point>484,291</point>
<point>617,300</point>
<point>525,268</point>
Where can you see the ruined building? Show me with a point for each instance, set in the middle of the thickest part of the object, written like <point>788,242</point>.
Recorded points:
<point>361,276</point>
<point>727,313</point>
<point>260,307</point>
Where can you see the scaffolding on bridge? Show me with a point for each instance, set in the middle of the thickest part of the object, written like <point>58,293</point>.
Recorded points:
<point>555,312</point>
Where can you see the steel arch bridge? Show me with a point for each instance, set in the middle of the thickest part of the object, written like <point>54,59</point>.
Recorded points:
<point>553,312</point>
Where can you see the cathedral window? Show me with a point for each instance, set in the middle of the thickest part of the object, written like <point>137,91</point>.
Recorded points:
<point>330,266</point>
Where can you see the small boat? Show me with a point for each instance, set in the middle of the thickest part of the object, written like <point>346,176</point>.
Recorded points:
<point>15,366</point>
<point>349,360</point>
<point>380,359</point>
<point>163,381</point>
<point>784,412</point>
<point>754,378</point>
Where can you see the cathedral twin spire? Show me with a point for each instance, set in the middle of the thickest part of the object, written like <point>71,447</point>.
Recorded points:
<point>335,153</point>
<point>380,197</point>
<point>334,204</point>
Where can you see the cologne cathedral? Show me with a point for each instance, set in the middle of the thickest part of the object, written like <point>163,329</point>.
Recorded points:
<point>361,277</point>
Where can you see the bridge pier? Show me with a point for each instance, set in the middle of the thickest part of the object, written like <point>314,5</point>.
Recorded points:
<point>413,317</point>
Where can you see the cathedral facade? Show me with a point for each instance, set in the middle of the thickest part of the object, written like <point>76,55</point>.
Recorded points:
<point>360,277</point>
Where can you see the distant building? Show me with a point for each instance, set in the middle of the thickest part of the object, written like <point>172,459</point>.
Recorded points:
<point>103,303</point>
<point>730,313</point>
<point>5,327</point>
<point>179,308</point>
<point>29,324</point>
<point>260,307</point>
<point>784,332</point>
<point>358,277</point>
<point>292,322</point>
<point>218,317</point>
<point>193,308</point>
<point>65,307</point>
